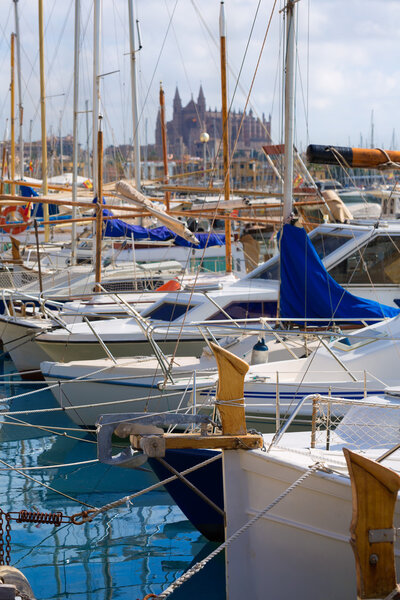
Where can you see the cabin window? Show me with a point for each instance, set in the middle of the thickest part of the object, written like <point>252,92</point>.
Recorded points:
<point>326,243</point>
<point>378,262</point>
<point>246,310</point>
<point>168,311</point>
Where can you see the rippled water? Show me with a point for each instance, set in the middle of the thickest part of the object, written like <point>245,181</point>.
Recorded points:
<point>126,553</point>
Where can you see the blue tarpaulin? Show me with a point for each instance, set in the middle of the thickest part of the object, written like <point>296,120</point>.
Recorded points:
<point>118,228</point>
<point>37,209</point>
<point>308,291</point>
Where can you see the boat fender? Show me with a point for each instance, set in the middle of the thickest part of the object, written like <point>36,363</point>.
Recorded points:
<point>169,286</point>
<point>10,577</point>
<point>259,354</point>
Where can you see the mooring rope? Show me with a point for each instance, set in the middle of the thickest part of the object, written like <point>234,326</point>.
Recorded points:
<point>87,516</point>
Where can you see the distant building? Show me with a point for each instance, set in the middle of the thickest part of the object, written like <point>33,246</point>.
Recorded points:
<point>188,122</point>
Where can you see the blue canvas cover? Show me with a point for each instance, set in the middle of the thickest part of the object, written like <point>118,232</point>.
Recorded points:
<point>118,228</point>
<point>308,291</point>
<point>37,209</point>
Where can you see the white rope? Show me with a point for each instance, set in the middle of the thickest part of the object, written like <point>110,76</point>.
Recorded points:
<point>48,487</point>
<point>393,593</point>
<point>43,467</point>
<point>200,565</point>
<point>236,403</point>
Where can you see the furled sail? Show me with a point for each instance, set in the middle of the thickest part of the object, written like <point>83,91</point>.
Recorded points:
<point>308,291</point>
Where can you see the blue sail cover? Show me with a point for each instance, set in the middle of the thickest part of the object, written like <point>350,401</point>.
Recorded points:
<point>308,291</point>
<point>118,228</point>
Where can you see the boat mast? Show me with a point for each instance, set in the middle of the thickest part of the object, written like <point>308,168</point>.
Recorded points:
<point>61,144</point>
<point>45,189</point>
<point>20,107</point>
<point>12,98</point>
<point>87,139</point>
<point>289,111</point>
<point>75,131</point>
<point>96,86</point>
<point>99,207</point>
<point>164,145</point>
<point>225,135</point>
<point>135,120</point>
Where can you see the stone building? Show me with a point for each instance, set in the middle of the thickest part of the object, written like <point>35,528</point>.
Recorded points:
<point>188,122</point>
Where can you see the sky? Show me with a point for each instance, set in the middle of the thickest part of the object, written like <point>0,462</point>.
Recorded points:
<point>347,65</point>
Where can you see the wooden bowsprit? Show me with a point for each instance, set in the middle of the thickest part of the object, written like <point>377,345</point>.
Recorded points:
<point>374,491</point>
<point>230,403</point>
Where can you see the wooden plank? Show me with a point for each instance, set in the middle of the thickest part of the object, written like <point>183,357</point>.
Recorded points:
<point>189,440</point>
<point>374,495</point>
<point>274,149</point>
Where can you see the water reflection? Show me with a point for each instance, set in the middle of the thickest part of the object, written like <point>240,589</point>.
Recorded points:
<point>126,553</point>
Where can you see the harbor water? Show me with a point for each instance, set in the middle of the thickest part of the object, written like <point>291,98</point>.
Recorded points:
<point>134,550</point>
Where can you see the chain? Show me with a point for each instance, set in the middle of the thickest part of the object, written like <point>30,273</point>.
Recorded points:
<point>8,538</point>
<point>1,539</point>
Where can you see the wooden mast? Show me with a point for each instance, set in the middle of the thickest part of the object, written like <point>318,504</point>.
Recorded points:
<point>99,206</point>
<point>225,135</point>
<point>12,96</point>
<point>96,87</point>
<point>20,106</point>
<point>164,145</point>
<point>45,189</point>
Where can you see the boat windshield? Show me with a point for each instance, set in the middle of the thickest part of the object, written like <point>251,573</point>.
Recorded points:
<point>168,311</point>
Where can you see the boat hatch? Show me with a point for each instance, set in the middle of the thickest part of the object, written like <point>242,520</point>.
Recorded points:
<point>352,342</point>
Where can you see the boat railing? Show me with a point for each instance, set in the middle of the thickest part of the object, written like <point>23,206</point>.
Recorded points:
<point>10,297</point>
<point>368,423</point>
<point>147,328</point>
<point>263,326</point>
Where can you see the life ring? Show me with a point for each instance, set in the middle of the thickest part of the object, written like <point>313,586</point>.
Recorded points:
<point>17,222</point>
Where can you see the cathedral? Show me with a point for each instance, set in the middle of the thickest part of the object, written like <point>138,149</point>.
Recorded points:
<point>190,121</point>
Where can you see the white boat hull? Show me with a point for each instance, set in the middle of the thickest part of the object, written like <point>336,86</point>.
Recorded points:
<point>86,392</point>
